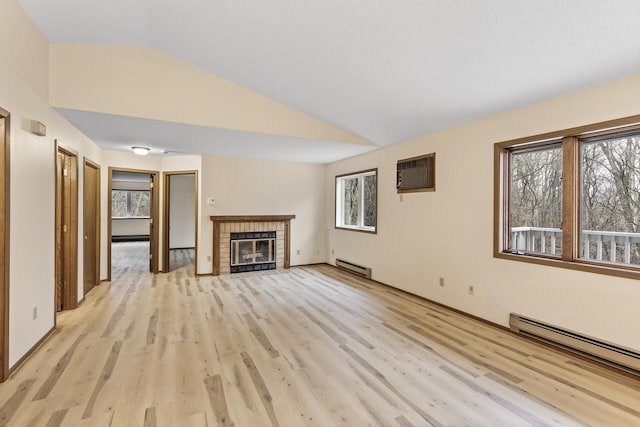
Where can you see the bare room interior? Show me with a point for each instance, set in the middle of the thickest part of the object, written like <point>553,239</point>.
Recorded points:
<point>319,213</point>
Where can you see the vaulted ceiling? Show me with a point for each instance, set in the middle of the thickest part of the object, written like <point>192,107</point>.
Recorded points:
<point>376,72</point>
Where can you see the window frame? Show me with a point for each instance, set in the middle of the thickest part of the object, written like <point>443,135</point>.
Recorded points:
<point>359,228</point>
<point>571,140</point>
<point>128,204</point>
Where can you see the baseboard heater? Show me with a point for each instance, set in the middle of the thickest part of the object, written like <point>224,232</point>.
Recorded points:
<point>354,268</point>
<point>602,351</point>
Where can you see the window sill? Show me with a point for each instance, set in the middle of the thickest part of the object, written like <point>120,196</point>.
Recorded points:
<point>579,265</point>
<point>361,230</point>
<point>130,217</point>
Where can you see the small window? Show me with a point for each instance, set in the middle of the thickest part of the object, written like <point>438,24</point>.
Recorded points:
<point>356,201</point>
<point>130,204</point>
<point>416,174</point>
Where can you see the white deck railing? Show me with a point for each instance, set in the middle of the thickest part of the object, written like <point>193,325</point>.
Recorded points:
<point>536,239</point>
<point>547,240</point>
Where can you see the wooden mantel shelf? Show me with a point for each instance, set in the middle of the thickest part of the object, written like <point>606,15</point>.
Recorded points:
<point>252,218</point>
<point>220,219</point>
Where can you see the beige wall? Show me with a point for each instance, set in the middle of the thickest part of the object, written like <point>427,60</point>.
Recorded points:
<point>182,212</point>
<point>143,82</point>
<point>25,50</point>
<point>23,92</point>
<point>259,187</point>
<point>424,236</point>
<point>130,185</point>
<point>130,227</point>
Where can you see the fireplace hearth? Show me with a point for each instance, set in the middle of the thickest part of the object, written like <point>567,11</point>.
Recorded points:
<point>228,257</point>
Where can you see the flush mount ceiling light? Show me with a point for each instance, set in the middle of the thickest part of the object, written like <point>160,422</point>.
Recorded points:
<point>141,151</point>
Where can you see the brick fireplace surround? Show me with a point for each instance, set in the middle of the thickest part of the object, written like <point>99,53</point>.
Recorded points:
<point>223,226</point>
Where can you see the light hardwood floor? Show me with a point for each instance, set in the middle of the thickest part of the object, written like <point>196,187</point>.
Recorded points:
<point>129,258</point>
<point>310,346</point>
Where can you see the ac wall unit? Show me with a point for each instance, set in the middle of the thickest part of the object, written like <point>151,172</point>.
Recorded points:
<point>416,174</point>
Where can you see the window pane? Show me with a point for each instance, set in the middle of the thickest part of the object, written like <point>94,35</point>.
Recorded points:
<point>610,208</point>
<point>370,201</point>
<point>118,204</point>
<point>535,201</point>
<point>350,201</point>
<point>356,201</point>
<point>140,204</point>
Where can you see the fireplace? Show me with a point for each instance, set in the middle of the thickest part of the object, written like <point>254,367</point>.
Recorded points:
<point>253,251</point>
<point>252,235</point>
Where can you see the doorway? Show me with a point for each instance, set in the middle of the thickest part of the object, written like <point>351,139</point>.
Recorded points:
<point>132,230</point>
<point>66,295</point>
<point>4,244</point>
<point>180,225</point>
<point>91,221</point>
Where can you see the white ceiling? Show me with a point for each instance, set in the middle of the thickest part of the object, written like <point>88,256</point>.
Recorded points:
<point>385,70</point>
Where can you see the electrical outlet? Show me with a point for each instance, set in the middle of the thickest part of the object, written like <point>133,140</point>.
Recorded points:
<point>332,252</point>
<point>471,290</point>
<point>442,281</point>
<point>208,257</point>
<point>298,252</point>
<point>35,313</point>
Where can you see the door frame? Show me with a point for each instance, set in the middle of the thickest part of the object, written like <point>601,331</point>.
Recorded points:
<point>5,202</point>
<point>91,164</point>
<point>153,249</point>
<point>166,217</point>
<point>70,249</point>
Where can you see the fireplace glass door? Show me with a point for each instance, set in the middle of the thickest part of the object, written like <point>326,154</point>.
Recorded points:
<point>245,251</point>
<point>252,251</point>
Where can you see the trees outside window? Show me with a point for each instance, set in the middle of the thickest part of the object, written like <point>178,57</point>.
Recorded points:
<point>535,198</point>
<point>130,204</point>
<point>118,204</point>
<point>571,198</point>
<point>611,198</point>
<point>369,200</point>
<point>356,201</point>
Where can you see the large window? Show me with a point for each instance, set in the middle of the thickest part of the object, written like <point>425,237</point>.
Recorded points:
<point>356,201</point>
<point>130,204</point>
<point>572,198</point>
